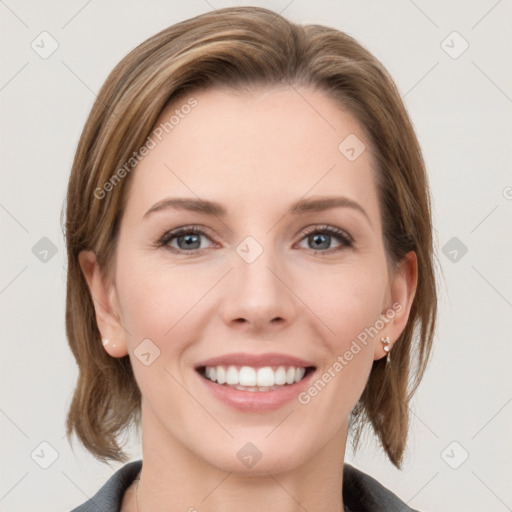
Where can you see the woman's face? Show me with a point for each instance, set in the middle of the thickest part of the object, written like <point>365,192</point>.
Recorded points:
<point>267,273</point>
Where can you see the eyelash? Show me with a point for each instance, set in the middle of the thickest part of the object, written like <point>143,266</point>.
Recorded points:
<point>341,236</point>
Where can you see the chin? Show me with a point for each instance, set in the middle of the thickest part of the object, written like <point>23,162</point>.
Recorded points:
<point>248,458</point>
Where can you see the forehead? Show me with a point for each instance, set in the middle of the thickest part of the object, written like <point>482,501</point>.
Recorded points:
<point>248,146</point>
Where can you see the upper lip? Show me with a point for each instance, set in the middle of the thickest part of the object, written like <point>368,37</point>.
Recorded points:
<point>255,360</point>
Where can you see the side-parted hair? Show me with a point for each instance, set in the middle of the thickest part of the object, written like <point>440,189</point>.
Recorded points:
<point>239,48</point>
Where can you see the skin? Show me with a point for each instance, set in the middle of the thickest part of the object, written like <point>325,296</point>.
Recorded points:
<point>256,152</point>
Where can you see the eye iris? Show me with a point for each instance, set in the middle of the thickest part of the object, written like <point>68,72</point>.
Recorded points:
<point>189,240</point>
<point>319,239</point>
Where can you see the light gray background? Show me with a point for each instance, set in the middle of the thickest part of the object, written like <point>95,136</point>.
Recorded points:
<point>461,108</point>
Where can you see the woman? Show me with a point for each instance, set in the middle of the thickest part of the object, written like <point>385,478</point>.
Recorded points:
<point>250,268</point>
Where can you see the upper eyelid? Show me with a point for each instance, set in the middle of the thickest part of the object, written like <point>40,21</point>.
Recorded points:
<point>327,228</point>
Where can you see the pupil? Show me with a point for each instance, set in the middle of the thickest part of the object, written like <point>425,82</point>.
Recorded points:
<point>318,240</point>
<point>190,239</point>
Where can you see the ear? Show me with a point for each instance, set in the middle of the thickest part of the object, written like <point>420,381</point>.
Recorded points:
<point>106,306</point>
<point>403,285</point>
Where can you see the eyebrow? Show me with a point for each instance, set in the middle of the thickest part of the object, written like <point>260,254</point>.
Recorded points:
<point>216,209</point>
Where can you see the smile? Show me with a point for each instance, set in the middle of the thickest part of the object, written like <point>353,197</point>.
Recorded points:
<point>248,378</point>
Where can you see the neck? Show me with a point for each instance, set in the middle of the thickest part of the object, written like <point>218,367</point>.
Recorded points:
<point>174,478</point>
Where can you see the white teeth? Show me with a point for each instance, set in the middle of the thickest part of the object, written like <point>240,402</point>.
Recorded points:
<point>210,373</point>
<point>280,376</point>
<point>248,378</point>
<point>265,376</point>
<point>299,373</point>
<point>221,374</point>
<point>232,376</point>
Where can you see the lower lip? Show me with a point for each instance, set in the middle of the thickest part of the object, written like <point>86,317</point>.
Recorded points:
<point>256,401</point>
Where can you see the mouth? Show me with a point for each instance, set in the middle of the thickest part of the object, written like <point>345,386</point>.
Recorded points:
<point>255,383</point>
<point>255,379</point>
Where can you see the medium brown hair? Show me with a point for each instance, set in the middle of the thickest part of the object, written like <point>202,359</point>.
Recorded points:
<point>241,47</point>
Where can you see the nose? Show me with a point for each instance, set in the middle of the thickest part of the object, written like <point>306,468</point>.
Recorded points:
<point>259,293</point>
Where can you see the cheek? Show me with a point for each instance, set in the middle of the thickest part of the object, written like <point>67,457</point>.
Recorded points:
<point>348,301</point>
<point>156,303</point>
<point>153,298</point>
<point>349,304</point>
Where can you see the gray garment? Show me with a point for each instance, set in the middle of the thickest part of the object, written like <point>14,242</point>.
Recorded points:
<point>361,492</point>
